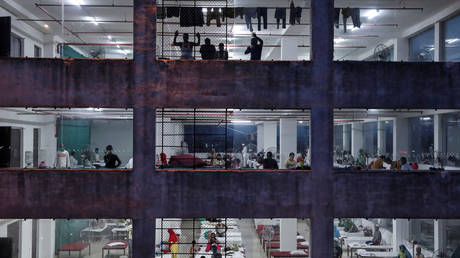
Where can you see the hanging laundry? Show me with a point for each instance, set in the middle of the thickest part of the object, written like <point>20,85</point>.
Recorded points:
<point>299,14</point>
<point>280,14</point>
<point>161,12</point>
<point>211,14</point>
<point>261,14</point>
<point>228,13</point>
<point>346,13</point>
<point>249,13</point>
<point>239,11</point>
<point>172,12</point>
<point>356,17</point>
<point>336,17</point>
<point>191,16</point>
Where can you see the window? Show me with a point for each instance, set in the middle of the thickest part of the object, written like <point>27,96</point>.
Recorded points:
<point>421,139</point>
<point>421,47</point>
<point>17,46</point>
<point>232,138</point>
<point>370,139</point>
<point>37,51</point>
<point>452,39</point>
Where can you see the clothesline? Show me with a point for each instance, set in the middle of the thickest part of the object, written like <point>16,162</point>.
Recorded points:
<point>307,24</point>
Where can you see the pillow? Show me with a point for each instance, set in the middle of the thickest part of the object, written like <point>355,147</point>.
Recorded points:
<point>298,252</point>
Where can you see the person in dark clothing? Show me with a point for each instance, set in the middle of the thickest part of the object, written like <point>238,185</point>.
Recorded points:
<point>186,47</point>
<point>111,160</point>
<point>269,162</point>
<point>207,50</point>
<point>222,54</point>
<point>255,49</point>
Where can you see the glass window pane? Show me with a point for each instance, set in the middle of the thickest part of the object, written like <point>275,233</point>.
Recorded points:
<point>452,39</point>
<point>421,47</point>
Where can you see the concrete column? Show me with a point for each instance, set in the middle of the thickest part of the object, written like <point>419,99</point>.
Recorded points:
<point>4,230</point>
<point>46,237</point>
<point>401,49</point>
<point>357,138</point>
<point>288,138</point>
<point>400,232</point>
<point>438,42</point>
<point>440,234</point>
<point>50,46</point>
<point>346,139</point>
<point>439,133</point>
<point>260,137</point>
<point>288,234</point>
<point>270,134</point>
<point>25,239</point>
<point>381,138</point>
<point>289,49</point>
<point>400,138</point>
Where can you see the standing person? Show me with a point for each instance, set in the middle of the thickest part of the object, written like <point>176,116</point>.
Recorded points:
<point>95,156</point>
<point>186,47</point>
<point>213,245</point>
<point>194,249</point>
<point>222,54</point>
<point>73,160</point>
<point>208,51</point>
<point>377,237</point>
<point>173,239</point>
<point>62,158</point>
<point>255,49</point>
<point>111,160</point>
<point>290,163</point>
<point>418,253</point>
<point>269,162</point>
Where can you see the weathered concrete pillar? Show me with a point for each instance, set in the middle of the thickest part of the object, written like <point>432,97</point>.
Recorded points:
<point>46,236</point>
<point>25,242</point>
<point>400,138</point>
<point>288,234</point>
<point>288,138</point>
<point>357,138</point>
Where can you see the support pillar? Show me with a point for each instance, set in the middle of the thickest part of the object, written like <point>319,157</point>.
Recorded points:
<point>288,138</point>
<point>439,139</point>
<point>438,42</point>
<point>381,138</point>
<point>400,232</point>
<point>25,239</point>
<point>346,139</point>
<point>357,138</point>
<point>270,135</point>
<point>400,138</point>
<point>288,234</point>
<point>260,137</point>
<point>440,234</point>
<point>46,236</point>
<point>401,49</point>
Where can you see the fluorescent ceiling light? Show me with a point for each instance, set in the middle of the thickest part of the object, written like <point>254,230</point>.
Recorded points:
<point>109,37</point>
<point>371,14</point>
<point>241,121</point>
<point>427,118</point>
<point>76,2</point>
<point>338,40</point>
<point>91,19</point>
<point>354,28</point>
<point>451,41</point>
<point>46,25</point>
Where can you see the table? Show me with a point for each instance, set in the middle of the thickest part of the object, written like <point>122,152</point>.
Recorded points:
<point>366,247</point>
<point>115,245</point>
<point>377,254</point>
<point>74,247</point>
<point>276,245</point>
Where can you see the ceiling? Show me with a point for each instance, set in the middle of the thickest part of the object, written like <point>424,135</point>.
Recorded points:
<point>112,25</point>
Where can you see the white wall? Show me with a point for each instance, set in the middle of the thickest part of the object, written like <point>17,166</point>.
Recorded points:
<point>46,238</point>
<point>25,239</point>
<point>118,133</point>
<point>9,117</point>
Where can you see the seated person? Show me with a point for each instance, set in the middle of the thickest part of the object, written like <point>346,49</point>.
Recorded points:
<point>269,162</point>
<point>377,238</point>
<point>219,161</point>
<point>290,163</point>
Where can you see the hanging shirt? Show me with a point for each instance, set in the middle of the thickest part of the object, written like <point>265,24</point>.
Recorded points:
<point>62,159</point>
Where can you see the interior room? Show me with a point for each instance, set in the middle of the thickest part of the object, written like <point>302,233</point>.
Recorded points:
<point>390,30</point>
<point>229,237</point>
<point>381,237</point>
<point>379,139</point>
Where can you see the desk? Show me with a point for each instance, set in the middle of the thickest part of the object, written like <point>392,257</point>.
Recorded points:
<point>366,247</point>
<point>115,245</point>
<point>74,247</point>
<point>376,254</point>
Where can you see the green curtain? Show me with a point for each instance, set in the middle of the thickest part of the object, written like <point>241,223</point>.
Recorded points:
<point>75,134</point>
<point>68,231</point>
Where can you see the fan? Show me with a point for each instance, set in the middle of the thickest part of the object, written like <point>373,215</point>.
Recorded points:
<point>441,253</point>
<point>422,55</point>
<point>382,53</point>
